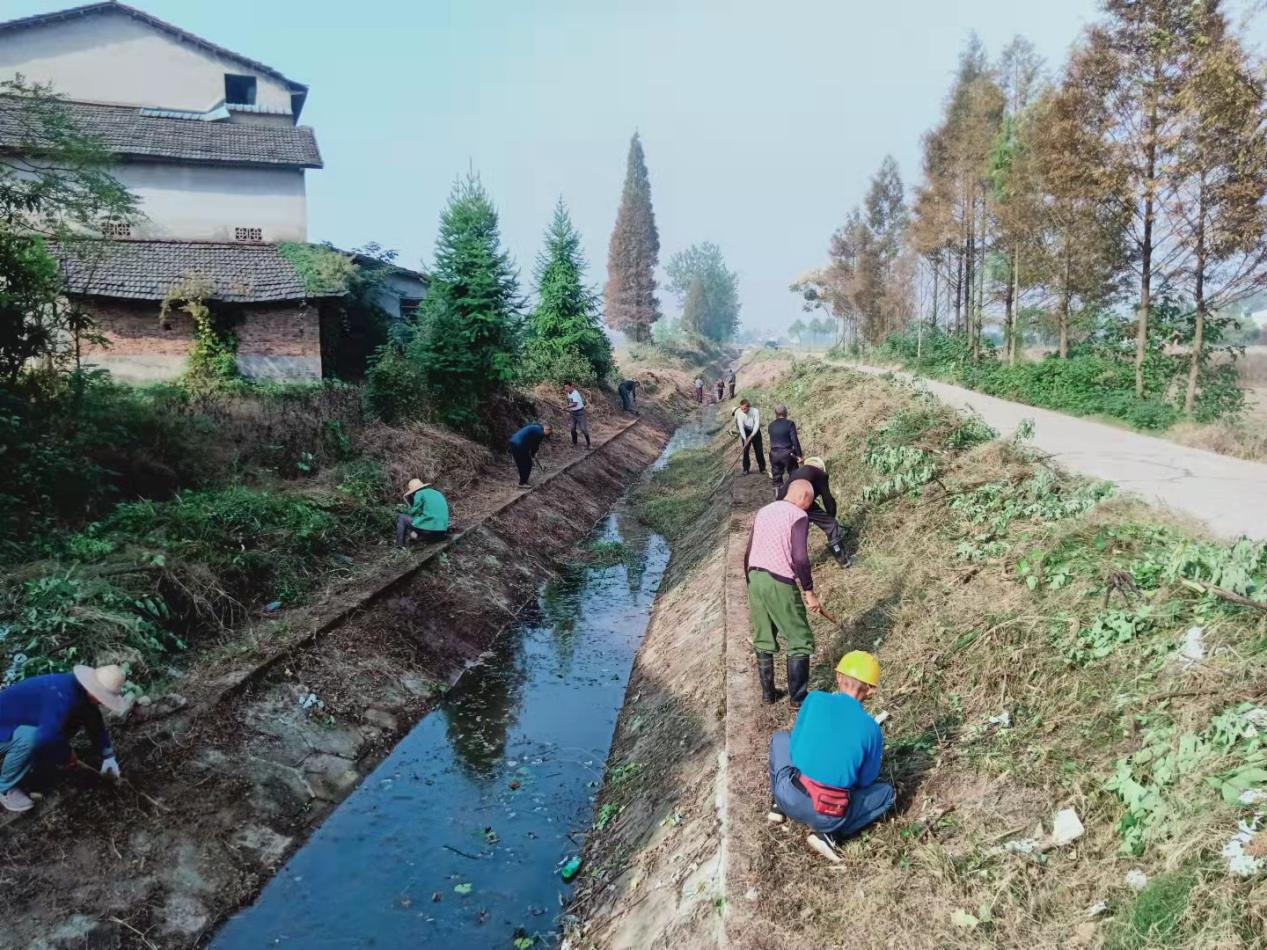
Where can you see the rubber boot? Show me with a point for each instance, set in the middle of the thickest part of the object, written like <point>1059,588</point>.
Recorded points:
<point>838,551</point>
<point>797,680</point>
<point>765,672</point>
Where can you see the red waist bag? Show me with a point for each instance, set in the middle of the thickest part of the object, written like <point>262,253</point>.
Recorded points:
<point>826,799</point>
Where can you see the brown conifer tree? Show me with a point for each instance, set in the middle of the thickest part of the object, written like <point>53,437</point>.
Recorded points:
<point>631,303</point>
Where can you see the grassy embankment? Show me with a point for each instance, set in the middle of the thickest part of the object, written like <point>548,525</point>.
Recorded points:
<point>1099,381</point>
<point>1032,631</point>
<point>140,521</point>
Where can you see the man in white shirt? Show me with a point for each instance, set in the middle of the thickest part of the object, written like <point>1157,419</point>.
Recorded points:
<point>748,422</point>
<point>576,412</point>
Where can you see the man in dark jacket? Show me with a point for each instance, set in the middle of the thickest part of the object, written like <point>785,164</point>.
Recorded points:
<point>785,447</point>
<point>523,448</point>
<point>39,716</point>
<point>628,390</point>
<point>814,471</point>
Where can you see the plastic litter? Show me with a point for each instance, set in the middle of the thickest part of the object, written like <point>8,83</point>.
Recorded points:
<point>1136,879</point>
<point>571,867</point>
<point>1003,720</point>
<point>1192,650</point>
<point>1066,828</point>
<point>961,918</point>
<point>273,605</point>
<point>1096,909</point>
<point>1239,863</point>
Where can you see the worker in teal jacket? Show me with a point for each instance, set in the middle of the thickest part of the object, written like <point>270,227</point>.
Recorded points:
<point>426,516</point>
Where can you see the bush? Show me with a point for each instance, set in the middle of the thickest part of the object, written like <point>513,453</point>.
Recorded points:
<point>545,365</point>
<point>395,385</point>
<point>1097,379</point>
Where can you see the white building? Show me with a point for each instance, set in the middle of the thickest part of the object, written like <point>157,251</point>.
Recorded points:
<point>210,143</point>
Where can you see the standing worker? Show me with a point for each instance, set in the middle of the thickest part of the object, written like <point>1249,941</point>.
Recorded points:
<point>427,515</point>
<point>721,390</point>
<point>814,471</point>
<point>699,389</point>
<point>576,412</point>
<point>824,773</point>
<point>628,390</point>
<point>748,422</point>
<point>732,384</point>
<point>785,447</point>
<point>523,448</point>
<point>776,559</point>
<point>39,716</point>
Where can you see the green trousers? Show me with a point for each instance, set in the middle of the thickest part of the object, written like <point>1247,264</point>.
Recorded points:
<point>776,608</point>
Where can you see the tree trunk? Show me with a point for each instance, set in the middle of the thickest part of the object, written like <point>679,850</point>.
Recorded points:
<point>1146,245</point>
<point>958,289</point>
<point>1064,311</point>
<point>1008,301</point>
<point>1017,335</point>
<point>970,260</point>
<point>1198,334</point>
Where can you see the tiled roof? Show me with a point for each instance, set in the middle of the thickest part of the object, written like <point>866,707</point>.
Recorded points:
<point>146,270</point>
<point>92,9</point>
<point>125,131</point>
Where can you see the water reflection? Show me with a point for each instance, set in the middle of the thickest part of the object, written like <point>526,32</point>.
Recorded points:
<point>455,839</point>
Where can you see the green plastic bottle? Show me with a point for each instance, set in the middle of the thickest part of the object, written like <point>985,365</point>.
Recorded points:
<point>570,868</point>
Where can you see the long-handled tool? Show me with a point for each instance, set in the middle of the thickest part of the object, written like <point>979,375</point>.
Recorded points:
<point>122,782</point>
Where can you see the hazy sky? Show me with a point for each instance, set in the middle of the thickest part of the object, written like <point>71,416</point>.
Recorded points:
<point>762,119</point>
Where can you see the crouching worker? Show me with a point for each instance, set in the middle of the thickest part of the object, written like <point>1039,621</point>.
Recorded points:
<point>824,773</point>
<point>39,716</point>
<point>776,559</point>
<point>426,517</point>
<point>523,448</point>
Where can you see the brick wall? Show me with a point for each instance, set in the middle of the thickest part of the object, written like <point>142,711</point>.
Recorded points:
<point>275,341</point>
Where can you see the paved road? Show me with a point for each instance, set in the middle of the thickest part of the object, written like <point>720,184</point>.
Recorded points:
<point>1228,494</point>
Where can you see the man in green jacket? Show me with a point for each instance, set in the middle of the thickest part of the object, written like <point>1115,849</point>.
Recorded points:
<point>426,517</point>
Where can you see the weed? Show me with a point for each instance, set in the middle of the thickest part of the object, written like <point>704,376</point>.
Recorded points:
<point>1154,918</point>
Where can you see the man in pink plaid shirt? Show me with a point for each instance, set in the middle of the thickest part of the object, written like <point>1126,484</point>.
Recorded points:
<point>776,560</point>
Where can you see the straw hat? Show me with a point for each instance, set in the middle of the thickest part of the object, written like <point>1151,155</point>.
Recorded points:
<point>815,461</point>
<point>416,484</point>
<point>105,685</point>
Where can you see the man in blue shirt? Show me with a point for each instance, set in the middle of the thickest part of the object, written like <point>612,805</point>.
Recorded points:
<point>39,716</point>
<point>523,448</point>
<point>824,773</point>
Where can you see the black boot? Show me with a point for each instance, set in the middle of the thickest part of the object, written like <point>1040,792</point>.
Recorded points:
<point>843,559</point>
<point>765,672</point>
<point>797,680</point>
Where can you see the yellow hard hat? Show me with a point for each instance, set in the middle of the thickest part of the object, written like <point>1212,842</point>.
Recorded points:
<point>817,462</point>
<point>861,666</point>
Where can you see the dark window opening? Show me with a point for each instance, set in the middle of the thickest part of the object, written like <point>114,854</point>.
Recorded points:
<point>239,90</point>
<point>409,306</point>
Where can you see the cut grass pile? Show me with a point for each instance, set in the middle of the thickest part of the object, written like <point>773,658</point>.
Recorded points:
<point>1045,645</point>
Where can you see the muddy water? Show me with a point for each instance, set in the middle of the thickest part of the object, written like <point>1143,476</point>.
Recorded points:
<point>456,839</point>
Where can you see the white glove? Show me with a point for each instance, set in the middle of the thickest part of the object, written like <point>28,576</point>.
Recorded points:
<point>110,768</point>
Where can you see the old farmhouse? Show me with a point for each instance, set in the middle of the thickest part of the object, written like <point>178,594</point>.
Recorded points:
<point>210,143</point>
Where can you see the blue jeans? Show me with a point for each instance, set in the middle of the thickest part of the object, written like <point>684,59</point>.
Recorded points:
<point>865,804</point>
<point>18,752</point>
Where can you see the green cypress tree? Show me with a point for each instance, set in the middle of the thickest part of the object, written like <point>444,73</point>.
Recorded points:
<point>466,341</point>
<point>564,326</point>
<point>631,304</point>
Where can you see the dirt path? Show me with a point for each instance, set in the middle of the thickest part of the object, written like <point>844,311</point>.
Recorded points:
<point>226,779</point>
<point>1228,494</point>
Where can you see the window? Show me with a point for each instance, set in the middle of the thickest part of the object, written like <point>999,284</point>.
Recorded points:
<point>116,230</point>
<point>239,90</point>
<point>248,234</point>
<point>409,306</point>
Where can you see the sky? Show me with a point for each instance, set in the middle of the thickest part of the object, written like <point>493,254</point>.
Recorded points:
<point>762,120</point>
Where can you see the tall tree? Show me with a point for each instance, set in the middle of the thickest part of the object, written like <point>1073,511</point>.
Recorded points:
<point>566,318</point>
<point>1136,60</point>
<point>634,251</point>
<point>466,341</point>
<point>718,316</point>
<point>1078,189</point>
<point>1222,170</point>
